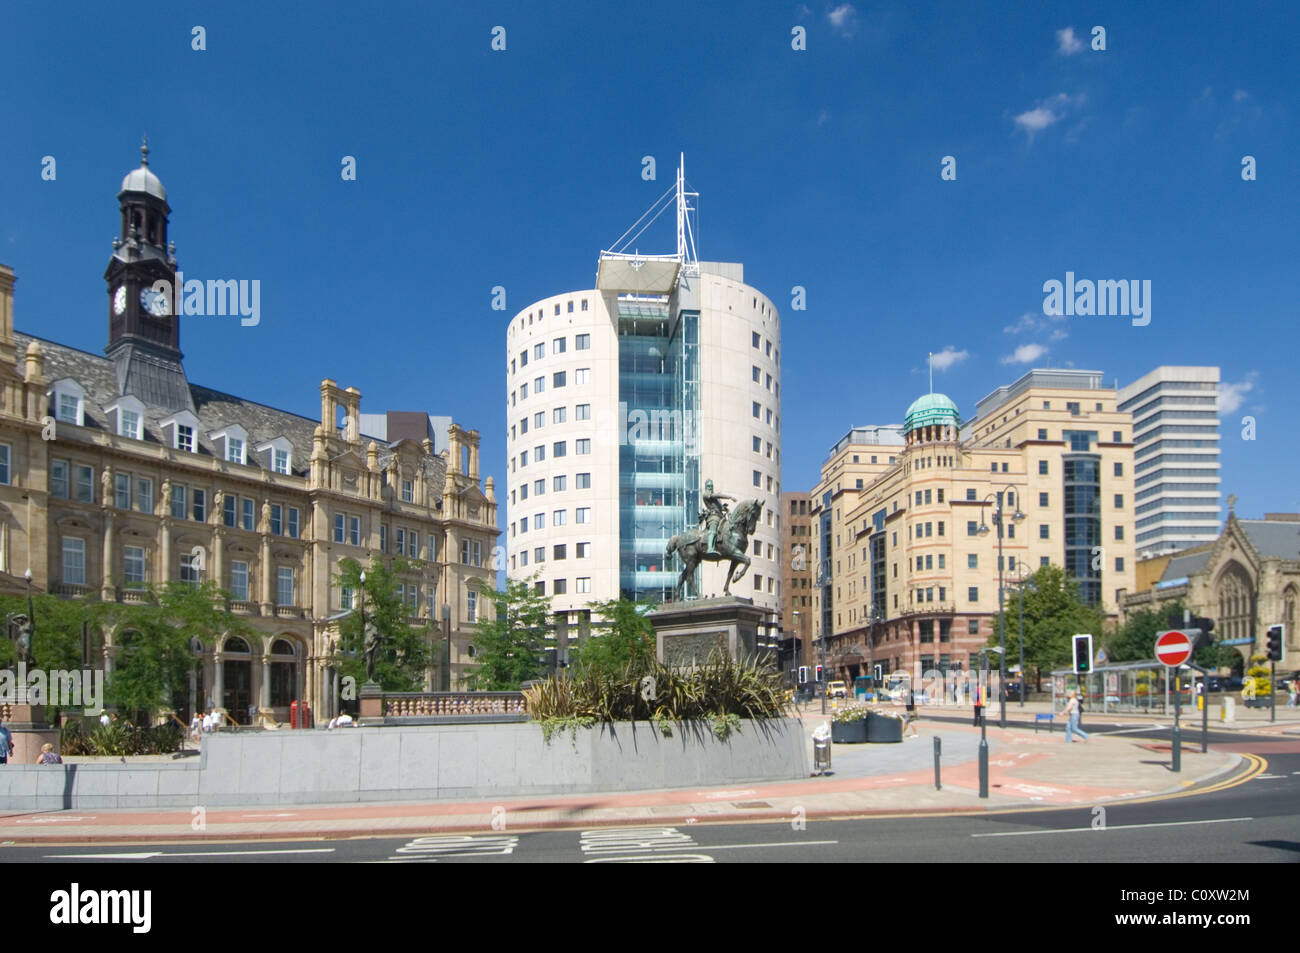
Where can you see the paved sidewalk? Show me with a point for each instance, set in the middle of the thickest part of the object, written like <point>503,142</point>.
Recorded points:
<point>1025,769</point>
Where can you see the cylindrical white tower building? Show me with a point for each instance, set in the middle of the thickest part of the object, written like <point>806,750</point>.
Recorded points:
<point>621,402</point>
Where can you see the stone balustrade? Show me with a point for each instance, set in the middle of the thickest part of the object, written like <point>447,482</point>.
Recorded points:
<point>427,704</point>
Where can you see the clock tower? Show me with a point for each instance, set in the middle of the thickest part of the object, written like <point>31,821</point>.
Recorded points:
<point>143,329</point>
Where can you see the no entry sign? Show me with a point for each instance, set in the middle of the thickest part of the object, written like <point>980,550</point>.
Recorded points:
<point>1173,648</point>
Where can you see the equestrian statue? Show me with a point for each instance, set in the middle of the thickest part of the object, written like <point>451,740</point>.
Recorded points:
<point>722,534</point>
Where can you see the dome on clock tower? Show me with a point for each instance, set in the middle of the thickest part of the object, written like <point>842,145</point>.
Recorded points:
<point>143,179</point>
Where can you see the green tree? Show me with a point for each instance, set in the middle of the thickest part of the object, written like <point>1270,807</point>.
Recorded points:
<point>405,653</point>
<point>1053,614</point>
<point>510,649</point>
<point>155,638</point>
<point>625,637</point>
<point>1135,640</point>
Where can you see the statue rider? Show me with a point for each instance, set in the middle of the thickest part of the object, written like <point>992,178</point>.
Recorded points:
<point>715,513</point>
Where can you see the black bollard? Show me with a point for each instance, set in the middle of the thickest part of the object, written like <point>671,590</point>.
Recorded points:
<point>938,747</point>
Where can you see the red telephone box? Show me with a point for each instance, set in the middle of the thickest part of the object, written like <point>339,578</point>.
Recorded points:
<point>293,714</point>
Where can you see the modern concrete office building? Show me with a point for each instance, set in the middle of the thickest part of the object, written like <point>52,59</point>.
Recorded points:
<point>908,547</point>
<point>1176,431</point>
<point>622,400</point>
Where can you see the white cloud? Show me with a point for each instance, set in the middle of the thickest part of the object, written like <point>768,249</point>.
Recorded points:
<point>948,357</point>
<point>1067,43</point>
<point>844,19</point>
<point>1036,120</point>
<point>823,117</point>
<point>1026,322</point>
<point>1239,95</point>
<point>1060,334</point>
<point>1232,396</point>
<point>1048,111</point>
<point>1025,354</point>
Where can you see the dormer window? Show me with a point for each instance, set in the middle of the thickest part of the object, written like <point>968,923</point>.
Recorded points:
<point>232,443</point>
<point>69,402</point>
<point>180,431</point>
<point>276,455</point>
<point>126,417</point>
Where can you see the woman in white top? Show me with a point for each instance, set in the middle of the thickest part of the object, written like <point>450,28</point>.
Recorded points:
<point>1072,712</point>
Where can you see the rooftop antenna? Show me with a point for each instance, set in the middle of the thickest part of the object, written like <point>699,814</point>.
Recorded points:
<point>931,359</point>
<point>622,268</point>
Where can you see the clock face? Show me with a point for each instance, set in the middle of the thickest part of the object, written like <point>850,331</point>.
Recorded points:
<point>155,302</point>
<point>119,299</point>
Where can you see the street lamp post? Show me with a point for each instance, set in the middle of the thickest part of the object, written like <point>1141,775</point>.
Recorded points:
<point>797,686</point>
<point>446,661</point>
<point>821,686</point>
<point>999,521</point>
<point>1020,600</point>
<point>984,739</point>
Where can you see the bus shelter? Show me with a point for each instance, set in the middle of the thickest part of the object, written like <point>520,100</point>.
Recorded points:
<point>1144,686</point>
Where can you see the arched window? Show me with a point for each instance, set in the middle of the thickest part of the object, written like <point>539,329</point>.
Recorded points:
<point>284,673</point>
<point>1235,596</point>
<point>236,644</point>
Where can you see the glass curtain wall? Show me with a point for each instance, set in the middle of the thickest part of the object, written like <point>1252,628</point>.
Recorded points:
<point>658,393</point>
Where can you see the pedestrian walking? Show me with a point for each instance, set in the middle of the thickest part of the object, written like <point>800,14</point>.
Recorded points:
<point>1071,712</point>
<point>909,708</point>
<point>6,742</point>
<point>977,693</point>
<point>196,727</point>
<point>48,755</point>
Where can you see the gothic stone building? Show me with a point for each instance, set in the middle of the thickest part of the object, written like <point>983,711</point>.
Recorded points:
<point>1246,580</point>
<point>149,478</point>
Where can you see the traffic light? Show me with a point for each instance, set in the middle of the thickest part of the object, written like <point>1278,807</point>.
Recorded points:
<point>819,673</point>
<point>1203,629</point>
<point>803,674</point>
<point>879,673</point>
<point>1275,642</point>
<point>1082,654</point>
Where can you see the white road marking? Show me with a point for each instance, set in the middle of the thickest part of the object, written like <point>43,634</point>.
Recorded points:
<point>459,845</point>
<point>290,814</point>
<point>1271,777</point>
<point>1115,827</point>
<point>145,855</point>
<point>55,820</point>
<point>792,843</point>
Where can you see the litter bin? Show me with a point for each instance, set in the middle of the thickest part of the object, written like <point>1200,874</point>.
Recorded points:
<point>822,749</point>
<point>1228,709</point>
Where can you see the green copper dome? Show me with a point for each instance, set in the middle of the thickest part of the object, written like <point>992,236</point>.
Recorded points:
<point>929,410</point>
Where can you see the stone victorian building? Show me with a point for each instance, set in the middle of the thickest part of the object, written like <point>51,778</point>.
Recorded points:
<point>909,550</point>
<point>117,473</point>
<point>1246,580</point>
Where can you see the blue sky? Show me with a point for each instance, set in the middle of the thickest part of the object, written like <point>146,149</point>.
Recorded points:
<point>819,168</point>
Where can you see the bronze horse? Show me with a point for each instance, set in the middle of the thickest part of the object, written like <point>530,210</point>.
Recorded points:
<point>732,543</point>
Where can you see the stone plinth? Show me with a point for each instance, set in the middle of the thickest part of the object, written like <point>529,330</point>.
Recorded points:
<point>687,632</point>
<point>372,704</point>
<point>30,730</point>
